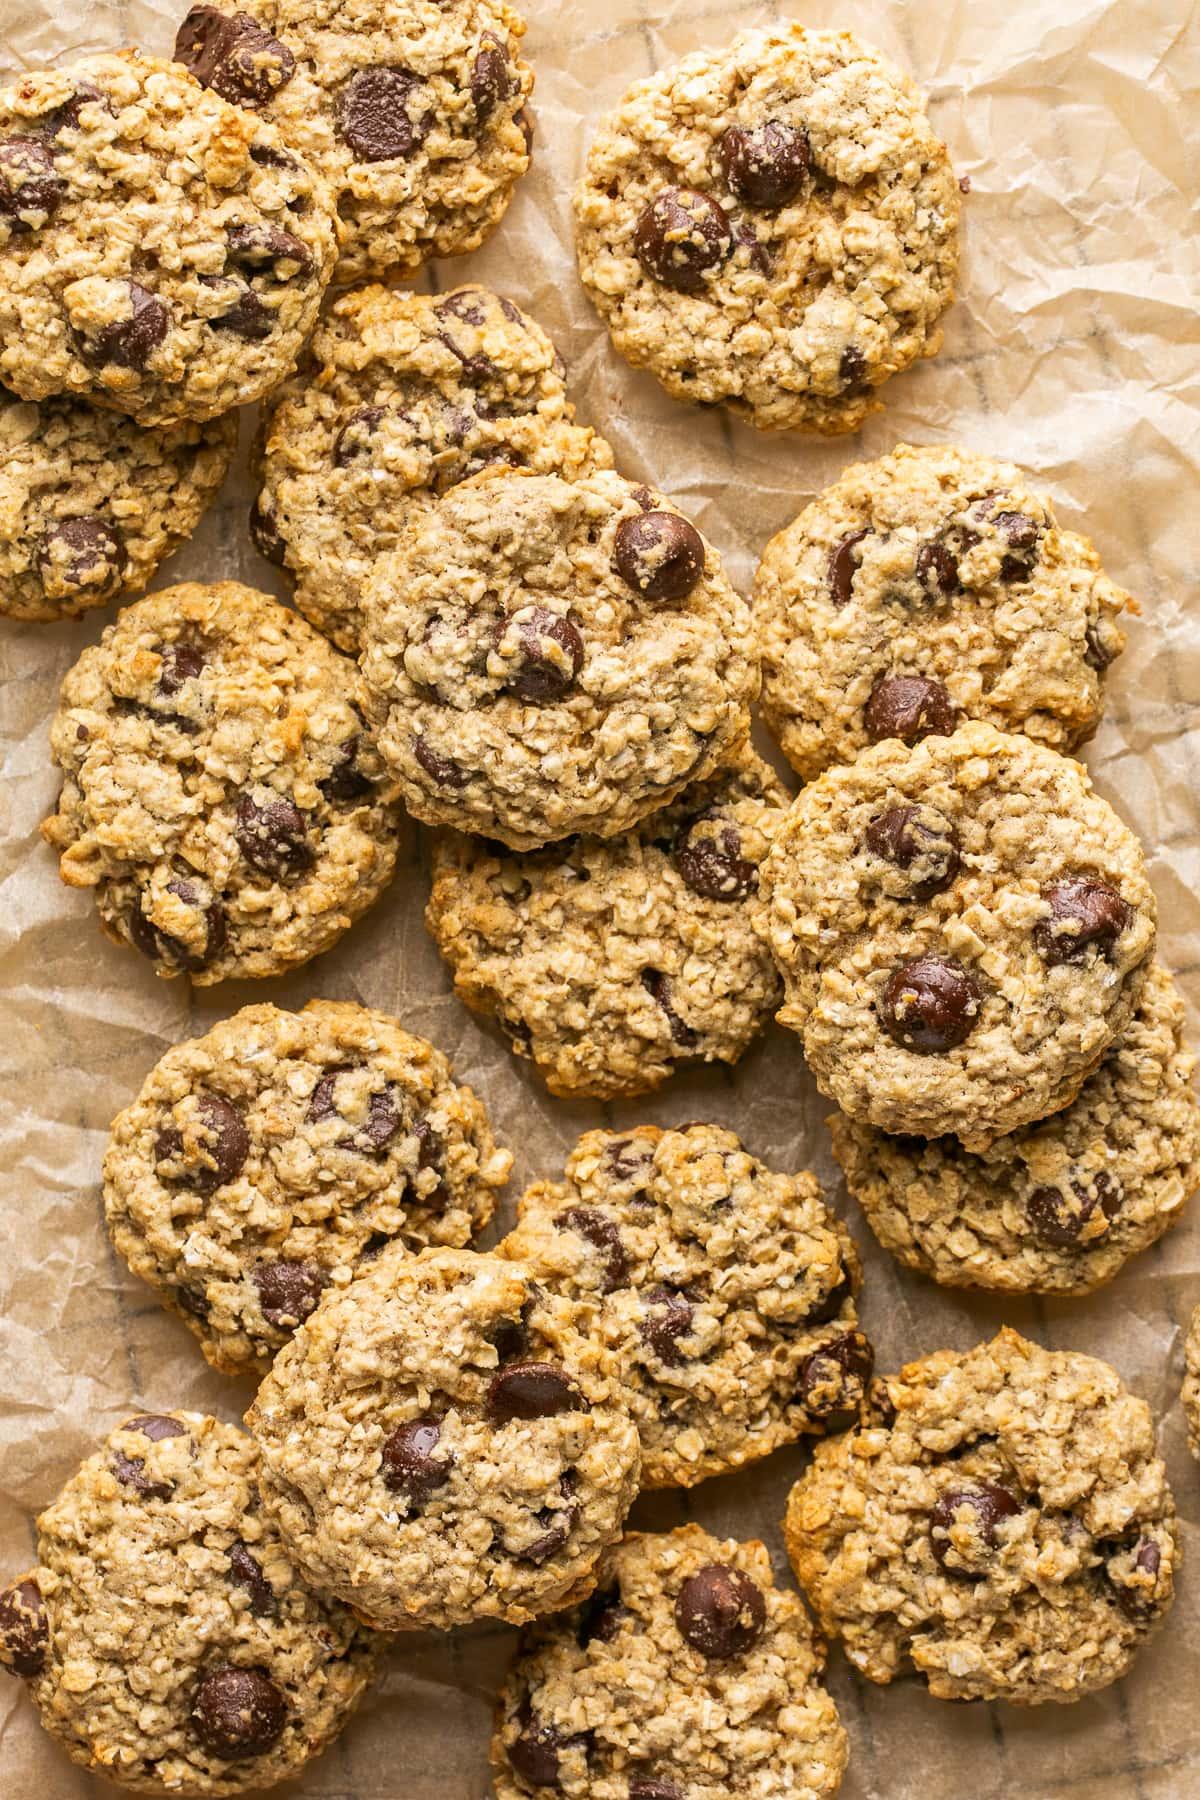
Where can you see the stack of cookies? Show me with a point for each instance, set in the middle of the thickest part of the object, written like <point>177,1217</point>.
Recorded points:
<point>496,634</point>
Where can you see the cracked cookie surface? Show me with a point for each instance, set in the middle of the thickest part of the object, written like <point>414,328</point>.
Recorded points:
<point>543,657</point>
<point>445,1441</point>
<point>221,793</point>
<point>400,397</point>
<point>963,927</point>
<point>412,110</point>
<point>1061,1206</point>
<point>91,503</point>
<point>160,250</point>
<point>1004,1527</point>
<point>728,1291</point>
<point>275,1156</point>
<point>929,587</point>
<point>613,964</point>
<point>166,1636</point>
<point>772,226</point>
<point>687,1676</point>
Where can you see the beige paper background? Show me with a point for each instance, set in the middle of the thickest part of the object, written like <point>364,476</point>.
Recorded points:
<point>1073,350</point>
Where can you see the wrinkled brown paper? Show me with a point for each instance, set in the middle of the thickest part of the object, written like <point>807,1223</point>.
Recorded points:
<point>1074,351</point>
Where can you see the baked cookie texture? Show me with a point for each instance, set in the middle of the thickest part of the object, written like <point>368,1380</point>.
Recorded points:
<point>412,110</point>
<point>772,226</point>
<point>931,586</point>
<point>1191,1382</point>
<point>728,1291</point>
<point>398,398</point>
<point>963,927</point>
<point>543,657</point>
<point>91,503</point>
<point>612,964</point>
<point>1004,1528</point>
<point>160,250</point>
<point>221,793</point>
<point>1061,1206</point>
<point>445,1441</point>
<point>166,1636</point>
<point>687,1676</point>
<point>275,1156</point>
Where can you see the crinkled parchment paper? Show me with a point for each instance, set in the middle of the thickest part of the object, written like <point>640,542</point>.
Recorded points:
<point>1074,350</point>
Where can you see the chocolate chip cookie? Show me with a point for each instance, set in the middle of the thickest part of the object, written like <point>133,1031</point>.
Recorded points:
<point>91,503</point>
<point>400,397</point>
<point>546,657</point>
<point>688,1675</point>
<point>1004,1528</point>
<point>931,586</point>
<point>275,1156</point>
<point>613,964</point>
<point>727,1290</point>
<point>166,1636</point>
<point>414,114</point>
<point>160,250</point>
<point>1191,1382</point>
<point>772,226</point>
<point>221,794</point>
<point>1059,1207</point>
<point>444,1441</point>
<point>963,928</point>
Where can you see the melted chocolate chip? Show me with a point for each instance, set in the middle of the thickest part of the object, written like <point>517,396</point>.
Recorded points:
<point>1059,1219</point>
<point>245,316</point>
<point>559,1526</point>
<point>1085,914</point>
<point>233,56</point>
<point>937,570</point>
<point>264,534</point>
<point>262,246</point>
<point>668,1317</point>
<point>852,370</point>
<point>128,343</point>
<point>919,840</point>
<point>491,78</point>
<point>659,555</point>
<point>709,857</point>
<point>1138,1601</point>
<point>908,707</point>
<point>409,1465</point>
<point>1102,645</point>
<point>31,190</point>
<point>85,554</point>
<point>346,782</point>
<point>161,946</point>
<point>24,1629</point>
<point>385,1115</point>
<point>550,655</point>
<point>534,1755</point>
<point>602,1232</point>
<point>247,1573</point>
<point>375,114</point>
<point>720,1612</point>
<point>272,836</point>
<point>533,1390</point>
<point>225,1145</point>
<point>765,165</point>
<point>288,1291</point>
<point>182,661</point>
<point>834,1378</point>
<point>930,1005</point>
<point>843,561</point>
<point>625,1163</point>
<point>600,1617</point>
<point>441,769</point>
<point>659,989</point>
<point>156,1426</point>
<point>984,1503</point>
<point>680,236</point>
<point>830,1304</point>
<point>67,116</point>
<point>354,438</point>
<point>238,1713</point>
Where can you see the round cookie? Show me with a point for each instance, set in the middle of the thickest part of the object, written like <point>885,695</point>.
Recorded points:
<point>1004,1529</point>
<point>546,657</point>
<point>963,928</point>
<point>1059,1207</point>
<point>166,1636</point>
<point>278,1154</point>
<point>413,112</point>
<point>400,397</point>
<point>1191,1382</point>
<point>688,1676</point>
<point>930,586</point>
<point>444,1441</point>
<point>613,964</point>
<point>727,1290</point>
<point>221,792</point>
<point>160,250</point>
<point>772,226</point>
<point>91,503</point>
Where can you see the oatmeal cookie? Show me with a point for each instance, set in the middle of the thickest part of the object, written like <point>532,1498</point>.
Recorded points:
<point>221,794</point>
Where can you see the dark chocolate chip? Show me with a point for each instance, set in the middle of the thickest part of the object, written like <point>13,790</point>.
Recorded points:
<point>272,836</point>
<point>919,840</point>
<point>161,946</point>
<point>834,1379</point>
<point>225,1144</point>
<point>262,246</point>
<point>680,236</point>
<point>1059,1219</point>
<point>182,661</point>
<point>668,1317</point>
<point>264,534</point>
<point>24,1629</point>
<point>156,1426</point>
<point>985,1503</point>
<point>930,1005</point>
<point>720,1612</point>
<point>830,1304</point>
<point>765,165</point>
<point>659,989</point>
<point>600,1617</point>
<point>602,1232</point>
<point>66,117</point>
<point>288,1291</point>
<point>491,78</point>
<point>937,570</point>
<point>441,769</point>
<point>624,1162</point>
<point>908,707</point>
<point>524,122</point>
<point>709,857</point>
<point>659,555</point>
<point>247,1573</point>
<point>1085,914</point>
<point>843,561</point>
<point>1138,1601</point>
<point>1101,645</point>
<point>128,343</point>
<point>233,55</point>
<point>246,317</point>
<point>550,655</point>
<point>238,1713</point>
<point>346,782</point>
<point>409,1465</point>
<point>375,114</point>
<point>852,370</point>
<point>532,1390</point>
<point>85,554</point>
<point>354,438</point>
<point>534,1755</point>
<point>559,1526</point>
<point>30,187</point>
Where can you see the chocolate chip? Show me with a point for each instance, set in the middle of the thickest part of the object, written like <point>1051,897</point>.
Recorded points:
<point>1059,1219</point>
<point>264,534</point>
<point>534,1755</point>
<point>709,857</point>
<point>842,564</point>
<point>559,1526</point>
<point>238,1713</point>
<point>491,78</point>
<point>831,1303</point>
<point>385,1115</point>
<point>156,1426</point>
<point>765,165</point>
<point>533,1390</point>
<point>354,438</point>
<point>288,1291</point>
<point>602,1232</point>
<point>130,1471</point>
<point>24,1629</point>
<point>441,769</point>
<point>908,707</point>
<point>937,570</point>
<point>659,989</point>
<point>852,370</point>
<point>984,1503</point>
<point>246,317</point>
<point>600,1617</point>
<point>181,661</point>
<point>262,246</point>
<point>128,343</point>
<point>510,1338</point>
<point>640,1788</point>
<point>1084,914</point>
<point>720,1612</point>
<point>83,554</point>
<point>659,555</point>
<point>66,117</point>
<point>834,1378</point>
<point>930,1005</point>
<point>681,235</point>
<point>1138,1600</point>
<point>919,840</point>
<point>247,1572</point>
<point>346,782</point>
<point>668,1317</point>
<point>375,114</point>
<point>1021,534</point>
<point>625,1163</point>
<point>549,654</point>
<point>31,189</point>
<point>161,946</point>
<point>272,836</point>
<point>233,55</point>
<point>225,1144</point>
<point>1101,643</point>
<point>409,1465</point>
